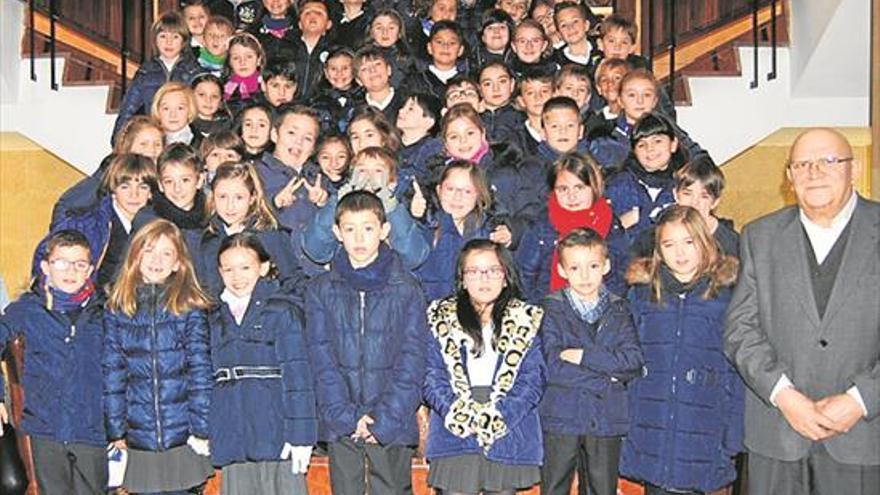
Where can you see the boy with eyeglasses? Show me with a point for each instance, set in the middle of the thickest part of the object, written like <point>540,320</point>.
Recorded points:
<point>60,318</point>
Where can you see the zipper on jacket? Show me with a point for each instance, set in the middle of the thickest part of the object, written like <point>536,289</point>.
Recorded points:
<point>363,312</point>
<point>154,341</point>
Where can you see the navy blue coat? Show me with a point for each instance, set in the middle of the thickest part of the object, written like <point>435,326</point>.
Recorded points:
<point>148,79</point>
<point>523,442</point>
<point>437,273</point>
<point>367,349</point>
<point>275,176</point>
<point>589,398</point>
<point>62,379</point>
<point>157,374</point>
<point>205,247</point>
<point>686,411</point>
<point>251,418</point>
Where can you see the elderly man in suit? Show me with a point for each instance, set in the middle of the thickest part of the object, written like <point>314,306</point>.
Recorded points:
<point>803,329</point>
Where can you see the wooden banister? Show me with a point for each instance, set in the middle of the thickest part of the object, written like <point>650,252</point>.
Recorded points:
<point>687,53</point>
<point>74,38</point>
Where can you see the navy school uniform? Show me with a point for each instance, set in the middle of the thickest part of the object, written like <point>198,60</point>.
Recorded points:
<point>275,175</point>
<point>585,404</point>
<point>205,246</point>
<point>351,33</point>
<point>422,79</point>
<point>309,66</point>
<point>244,15</point>
<point>62,377</point>
<point>366,333</point>
<point>686,410</point>
<point>149,78</point>
<point>398,56</point>
<point>335,107</point>
<point>398,98</point>
<point>437,274</point>
<point>725,235</point>
<point>501,123</point>
<point>278,38</point>
<point>480,57</point>
<point>320,244</point>
<point>263,393</point>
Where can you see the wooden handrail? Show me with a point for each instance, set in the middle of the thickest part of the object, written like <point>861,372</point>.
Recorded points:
<point>72,37</point>
<point>690,51</point>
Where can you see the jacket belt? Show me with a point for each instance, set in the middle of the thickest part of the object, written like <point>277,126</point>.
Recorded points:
<point>244,372</point>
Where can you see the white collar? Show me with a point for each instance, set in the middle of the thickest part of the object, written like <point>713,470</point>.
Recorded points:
<point>839,221</point>
<point>346,19</point>
<point>581,59</point>
<point>606,111</point>
<point>535,133</point>
<point>231,299</point>
<point>443,75</point>
<point>169,64</point>
<point>382,104</point>
<point>126,223</point>
<point>185,136</point>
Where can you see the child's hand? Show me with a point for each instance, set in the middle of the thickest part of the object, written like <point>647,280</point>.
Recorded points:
<point>120,444</point>
<point>572,355</point>
<point>501,235</point>
<point>362,430</point>
<point>630,218</point>
<point>287,195</point>
<point>199,445</point>
<point>4,417</point>
<point>419,204</point>
<point>317,194</point>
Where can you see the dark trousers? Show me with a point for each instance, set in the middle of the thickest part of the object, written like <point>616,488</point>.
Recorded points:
<point>595,459</point>
<point>358,467</point>
<point>816,474</point>
<point>69,469</point>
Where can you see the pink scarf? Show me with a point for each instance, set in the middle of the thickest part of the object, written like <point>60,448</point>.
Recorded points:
<point>246,86</point>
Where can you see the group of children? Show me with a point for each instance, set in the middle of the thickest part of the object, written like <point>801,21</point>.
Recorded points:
<point>338,212</point>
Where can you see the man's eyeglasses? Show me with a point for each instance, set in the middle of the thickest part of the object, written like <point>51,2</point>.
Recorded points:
<point>824,164</point>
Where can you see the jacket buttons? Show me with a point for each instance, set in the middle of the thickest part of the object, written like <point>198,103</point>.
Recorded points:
<point>823,343</point>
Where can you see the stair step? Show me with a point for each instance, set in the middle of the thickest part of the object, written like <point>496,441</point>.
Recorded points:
<point>80,69</point>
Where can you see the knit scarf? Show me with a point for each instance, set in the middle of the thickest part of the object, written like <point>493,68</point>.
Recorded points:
<point>246,86</point>
<point>589,311</point>
<point>194,218</point>
<point>480,153</point>
<point>658,179</point>
<point>276,27</point>
<point>597,217</point>
<point>58,300</point>
<point>368,278</point>
<point>210,61</point>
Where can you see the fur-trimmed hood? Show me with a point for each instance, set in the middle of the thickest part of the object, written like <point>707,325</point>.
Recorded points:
<point>724,275</point>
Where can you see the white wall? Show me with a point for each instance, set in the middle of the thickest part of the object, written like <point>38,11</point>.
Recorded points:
<point>830,48</point>
<point>71,122</point>
<point>11,19</point>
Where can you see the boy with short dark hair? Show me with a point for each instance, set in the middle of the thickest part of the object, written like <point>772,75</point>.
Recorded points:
<point>574,81</point>
<point>174,62</point>
<point>462,89</point>
<point>373,72</point>
<point>573,25</point>
<point>312,46</point>
<point>279,83</point>
<point>61,320</point>
<point>534,89</point>
<point>591,348</point>
<point>366,332</point>
<point>444,46</point>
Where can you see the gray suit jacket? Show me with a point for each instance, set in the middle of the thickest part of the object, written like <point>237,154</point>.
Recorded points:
<point>773,327</point>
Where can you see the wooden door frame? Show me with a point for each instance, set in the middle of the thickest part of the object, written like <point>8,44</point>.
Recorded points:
<point>874,97</point>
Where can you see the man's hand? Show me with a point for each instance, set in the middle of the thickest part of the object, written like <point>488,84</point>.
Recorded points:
<point>362,430</point>
<point>803,415</point>
<point>572,355</point>
<point>842,409</point>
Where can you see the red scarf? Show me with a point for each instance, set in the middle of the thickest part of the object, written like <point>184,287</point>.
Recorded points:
<point>596,217</point>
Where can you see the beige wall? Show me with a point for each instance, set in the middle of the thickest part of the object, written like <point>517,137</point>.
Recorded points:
<point>31,180</point>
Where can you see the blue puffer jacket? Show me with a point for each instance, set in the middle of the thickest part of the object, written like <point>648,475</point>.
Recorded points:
<point>590,398</point>
<point>275,176</point>
<point>437,273</point>
<point>157,374</point>
<point>62,379</point>
<point>205,247</point>
<point>148,79</point>
<point>93,222</point>
<point>251,418</point>
<point>687,408</point>
<point>520,376</point>
<point>367,336</point>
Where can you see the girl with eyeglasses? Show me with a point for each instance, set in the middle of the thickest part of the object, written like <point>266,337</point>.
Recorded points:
<point>485,378</point>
